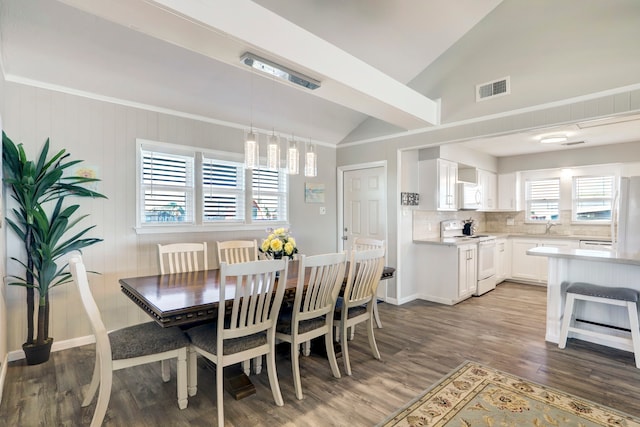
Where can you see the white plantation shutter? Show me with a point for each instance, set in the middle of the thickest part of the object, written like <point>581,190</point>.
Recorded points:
<point>543,199</point>
<point>168,188</point>
<point>269,189</point>
<point>592,198</point>
<point>223,191</point>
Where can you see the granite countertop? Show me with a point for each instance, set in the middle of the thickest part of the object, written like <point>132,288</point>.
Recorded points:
<point>615,257</point>
<point>462,241</point>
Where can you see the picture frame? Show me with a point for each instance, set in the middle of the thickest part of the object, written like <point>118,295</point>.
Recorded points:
<point>313,192</point>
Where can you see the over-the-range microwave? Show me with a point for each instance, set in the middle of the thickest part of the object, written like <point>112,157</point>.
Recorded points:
<point>469,196</point>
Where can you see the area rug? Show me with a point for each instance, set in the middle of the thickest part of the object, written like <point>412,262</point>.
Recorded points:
<point>475,395</point>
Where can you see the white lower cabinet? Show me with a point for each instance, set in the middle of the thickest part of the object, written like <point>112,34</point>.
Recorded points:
<point>467,270</point>
<point>533,268</point>
<point>446,274</point>
<point>503,259</point>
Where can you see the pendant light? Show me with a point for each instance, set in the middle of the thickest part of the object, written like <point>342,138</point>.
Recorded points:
<point>251,150</point>
<point>273,152</point>
<point>310,161</point>
<point>293,157</point>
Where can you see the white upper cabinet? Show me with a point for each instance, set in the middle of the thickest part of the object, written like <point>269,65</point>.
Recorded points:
<point>438,179</point>
<point>488,182</point>
<point>509,192</point>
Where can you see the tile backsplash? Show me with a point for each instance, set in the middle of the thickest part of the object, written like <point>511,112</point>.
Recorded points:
<point>426,224</point>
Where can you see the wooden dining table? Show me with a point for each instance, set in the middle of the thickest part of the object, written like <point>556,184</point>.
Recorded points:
<point>181,299</point>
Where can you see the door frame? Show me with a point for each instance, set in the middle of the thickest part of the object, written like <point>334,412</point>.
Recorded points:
<point>340,179</point>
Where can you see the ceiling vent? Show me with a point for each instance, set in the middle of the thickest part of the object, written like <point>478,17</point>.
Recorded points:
<point>573,143</point>
<point>493,89</point>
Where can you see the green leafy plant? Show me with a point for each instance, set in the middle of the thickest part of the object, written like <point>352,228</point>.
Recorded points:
<point>44,224</point>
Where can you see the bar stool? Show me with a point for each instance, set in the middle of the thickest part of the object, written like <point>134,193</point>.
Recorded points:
<point>623,297</point>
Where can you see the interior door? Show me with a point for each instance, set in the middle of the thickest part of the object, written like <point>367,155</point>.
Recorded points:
<point>364,205</point>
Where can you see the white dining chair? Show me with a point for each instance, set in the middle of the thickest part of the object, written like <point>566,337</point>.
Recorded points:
<point>246,324</point>
<point>320,278</point>
<point>182,257</point>
<point>127,347</point>
<point>356,304</point>
<point>235,251</point>
<point>363,244</point>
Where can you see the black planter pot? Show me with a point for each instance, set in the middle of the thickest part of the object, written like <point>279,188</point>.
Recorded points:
<point>37,354</point>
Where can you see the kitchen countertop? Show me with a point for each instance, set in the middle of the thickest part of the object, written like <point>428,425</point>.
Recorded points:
<point>614,257</point>
<point>454,241</point>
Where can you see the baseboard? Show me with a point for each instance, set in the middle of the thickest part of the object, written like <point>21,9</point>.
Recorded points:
<point>57,346</point>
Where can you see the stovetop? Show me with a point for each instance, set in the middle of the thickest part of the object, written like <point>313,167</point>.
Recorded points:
<point>452,229</point>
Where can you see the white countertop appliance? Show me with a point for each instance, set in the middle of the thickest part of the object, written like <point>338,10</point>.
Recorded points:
<point>455,228</point>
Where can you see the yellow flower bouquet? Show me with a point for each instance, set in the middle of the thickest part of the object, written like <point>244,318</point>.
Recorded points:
<point>279,243</point>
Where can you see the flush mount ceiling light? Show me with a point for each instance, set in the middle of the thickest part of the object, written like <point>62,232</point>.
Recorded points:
<point>279,71</point>
<point>555,139</point>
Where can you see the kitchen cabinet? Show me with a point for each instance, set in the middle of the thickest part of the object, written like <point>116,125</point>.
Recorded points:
<point>503,259</point>
<point>488,182</point>
<point>444,273</point>
<point>467,270</point>
<point>438,179</point>
<point>509,191</point>
<point>533,268</point>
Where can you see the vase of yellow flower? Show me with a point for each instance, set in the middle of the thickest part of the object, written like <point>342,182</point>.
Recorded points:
<point>279,243</point>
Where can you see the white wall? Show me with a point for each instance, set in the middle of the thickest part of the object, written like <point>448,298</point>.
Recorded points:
<point>104,136</point>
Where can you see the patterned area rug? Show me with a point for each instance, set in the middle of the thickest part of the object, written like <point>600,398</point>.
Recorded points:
<point>475,395</point>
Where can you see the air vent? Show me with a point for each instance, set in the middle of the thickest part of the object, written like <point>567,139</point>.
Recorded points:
<point>573,143</point>
<point>493,89</point>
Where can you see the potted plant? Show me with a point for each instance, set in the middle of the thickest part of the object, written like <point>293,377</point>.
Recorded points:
<point>44,224</point>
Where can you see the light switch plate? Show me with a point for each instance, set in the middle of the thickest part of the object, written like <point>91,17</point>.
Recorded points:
<point>323,210</point>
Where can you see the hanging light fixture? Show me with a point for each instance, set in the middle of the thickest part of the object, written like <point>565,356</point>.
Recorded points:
<point>293,157</point>
<point>251,150</point>
<point>273,152</point>
<point>310,161</point>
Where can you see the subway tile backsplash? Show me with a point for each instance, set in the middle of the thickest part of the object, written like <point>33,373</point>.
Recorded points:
<point>426,224</point>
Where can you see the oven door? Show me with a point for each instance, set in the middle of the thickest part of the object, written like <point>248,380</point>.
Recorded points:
<point>486,259</point>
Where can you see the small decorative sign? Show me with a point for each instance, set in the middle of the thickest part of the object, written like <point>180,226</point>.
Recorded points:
<point>409,199</point>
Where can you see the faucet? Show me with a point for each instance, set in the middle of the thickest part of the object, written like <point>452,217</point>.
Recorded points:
<point>549,225</point>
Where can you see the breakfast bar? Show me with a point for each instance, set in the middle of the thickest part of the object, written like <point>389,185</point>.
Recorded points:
<point>599,267</point>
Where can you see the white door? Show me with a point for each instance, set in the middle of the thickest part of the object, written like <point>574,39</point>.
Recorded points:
<point>364,205</point>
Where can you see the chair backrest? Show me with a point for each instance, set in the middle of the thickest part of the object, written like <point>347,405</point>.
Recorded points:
<point>364,244</point>
<point>182,257</point>
<point>365,270</point>
<point>320,278</point>
<point>257,297</point>
<point>235,251</point>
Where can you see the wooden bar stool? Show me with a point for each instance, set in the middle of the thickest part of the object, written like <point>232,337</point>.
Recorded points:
<point>623,297</point>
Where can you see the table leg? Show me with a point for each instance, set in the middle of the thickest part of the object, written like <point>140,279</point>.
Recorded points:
<point>236,382</point>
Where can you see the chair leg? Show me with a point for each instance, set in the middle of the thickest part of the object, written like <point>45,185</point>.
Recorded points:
<point>257,364</point>
<point>106,379</point>
<point>566,321</point>
<point>635,330</point>
<point>273,375</point>
<point>192,372</point>
<point>345,348</point>
<point>93,386</point>
<point>165,367</point>
<point>352,333</point>
<point>246,367</point>
<point>375,313</point>
<point>295,367</point>
<point>306,348</point>
<point>372,339</point>
<point>220,393</point>
<point>182,378</point>
<point>331,354</point>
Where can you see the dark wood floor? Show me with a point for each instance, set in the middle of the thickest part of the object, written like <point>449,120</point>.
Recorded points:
<point>420,343</point>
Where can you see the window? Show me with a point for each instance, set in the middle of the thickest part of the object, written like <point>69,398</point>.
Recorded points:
<point>592,198</point>
<point>543,199</point>
<point>183,186</point>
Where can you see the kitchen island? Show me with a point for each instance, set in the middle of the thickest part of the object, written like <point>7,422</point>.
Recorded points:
<point>599,267</point>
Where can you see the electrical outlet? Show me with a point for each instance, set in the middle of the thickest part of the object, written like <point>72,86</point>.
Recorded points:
<point>323,210</point>
<point>511,221</point>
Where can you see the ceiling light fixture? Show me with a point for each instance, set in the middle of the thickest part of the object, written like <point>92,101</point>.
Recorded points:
<point>273,152</point>
<point>251,150</point>
<point>279,71</point>
<point>310,161</point>
<point>293,157</point>
<point>553,139</point>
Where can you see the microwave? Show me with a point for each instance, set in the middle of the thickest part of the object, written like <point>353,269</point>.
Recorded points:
<point>469,196</point>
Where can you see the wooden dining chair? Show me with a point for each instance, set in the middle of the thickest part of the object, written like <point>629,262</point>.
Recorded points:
<point>356,304</point>
<point>182,257</point>
<point>127,347</point>
<point>235,251</point>
<point>363,244</point>
<point>320,278</point>
<point>246,324</point>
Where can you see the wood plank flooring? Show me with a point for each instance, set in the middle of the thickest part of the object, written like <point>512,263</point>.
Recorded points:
<point>420,343</point>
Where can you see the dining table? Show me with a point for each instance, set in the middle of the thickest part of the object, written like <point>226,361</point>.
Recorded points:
<point>189,298</point>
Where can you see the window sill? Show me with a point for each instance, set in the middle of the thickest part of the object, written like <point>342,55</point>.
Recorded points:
<point>207,228</point>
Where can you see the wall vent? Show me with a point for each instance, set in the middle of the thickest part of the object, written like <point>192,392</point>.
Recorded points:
<point>493,89</point>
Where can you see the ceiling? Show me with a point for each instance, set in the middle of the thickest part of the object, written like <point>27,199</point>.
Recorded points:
<point>184,56</point>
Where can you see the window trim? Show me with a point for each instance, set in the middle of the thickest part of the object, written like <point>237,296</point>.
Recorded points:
<point>527,200</point>
<point>574,200</point>
<point>198,225</point>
